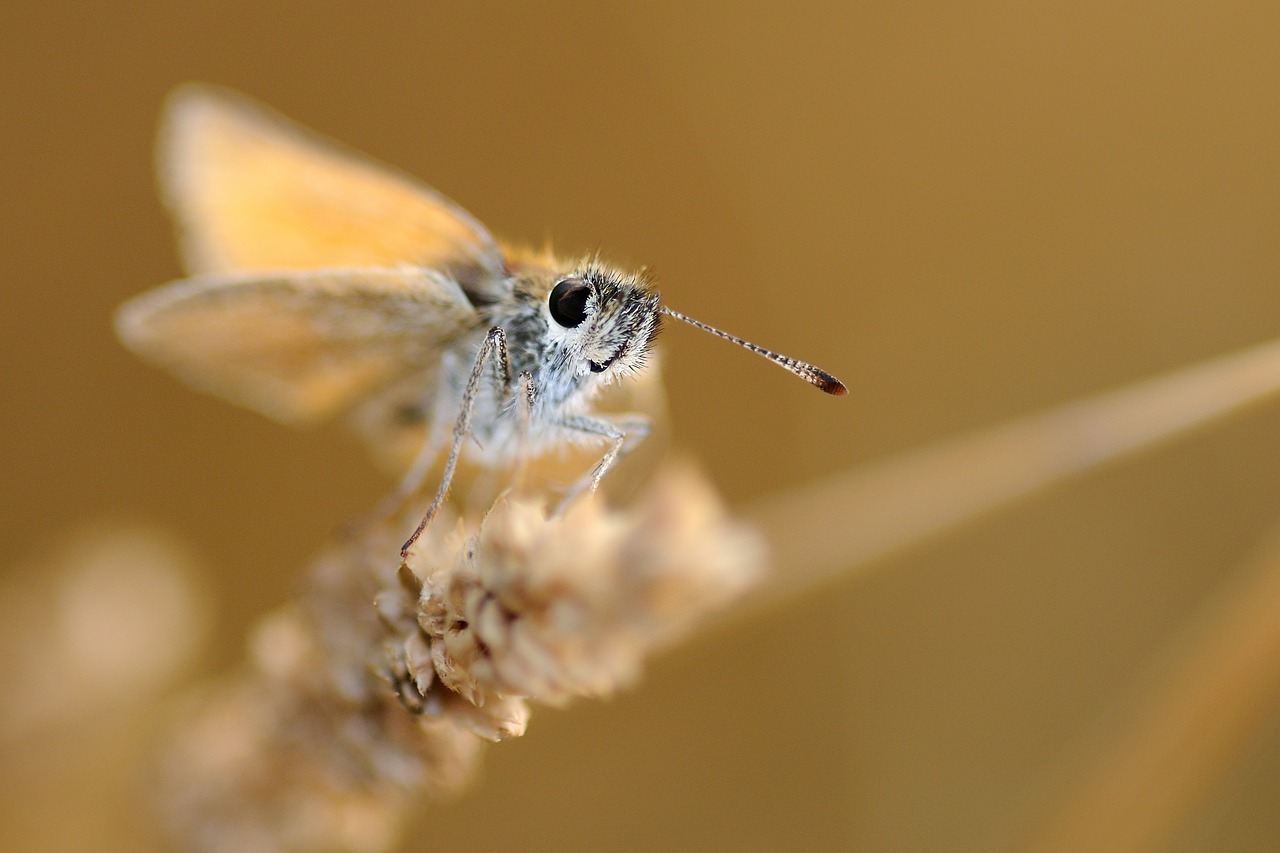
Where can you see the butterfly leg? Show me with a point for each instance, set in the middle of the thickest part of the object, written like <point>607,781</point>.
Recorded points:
<point>494,346</point>
<point>623,436</point>
<point>502,371</point>
<point>528,393</point>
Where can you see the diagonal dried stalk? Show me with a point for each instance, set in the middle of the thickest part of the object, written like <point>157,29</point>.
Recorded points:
<point>383,682</point>
<point>1210,697</point>
<point>827,530</point>
<point>348,711</point>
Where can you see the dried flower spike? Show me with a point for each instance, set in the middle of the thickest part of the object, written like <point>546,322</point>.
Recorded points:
<point>555,608</point>
<point>382,681</point>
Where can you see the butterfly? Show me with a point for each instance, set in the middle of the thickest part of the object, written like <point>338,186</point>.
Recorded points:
<point>325,283</point>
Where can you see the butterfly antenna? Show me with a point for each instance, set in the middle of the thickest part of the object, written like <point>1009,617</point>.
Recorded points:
<point>806,371</point>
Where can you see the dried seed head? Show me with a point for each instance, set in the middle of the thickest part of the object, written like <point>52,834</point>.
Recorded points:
<point>553,608</point>
<point>384,679</point>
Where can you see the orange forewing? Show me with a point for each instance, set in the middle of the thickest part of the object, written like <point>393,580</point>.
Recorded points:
<point>251,190</point>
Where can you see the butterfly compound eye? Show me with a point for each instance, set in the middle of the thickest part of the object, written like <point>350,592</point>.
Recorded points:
<point>568,303</point>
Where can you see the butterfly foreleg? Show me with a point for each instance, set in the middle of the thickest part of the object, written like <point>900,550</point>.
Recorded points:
<point>502,377</point>
<point>522,415</point>
<point>622,435</point>
<point>524,411</point>
<point>494,347</point>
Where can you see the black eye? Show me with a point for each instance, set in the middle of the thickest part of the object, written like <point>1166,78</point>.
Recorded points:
<point>568,303</point>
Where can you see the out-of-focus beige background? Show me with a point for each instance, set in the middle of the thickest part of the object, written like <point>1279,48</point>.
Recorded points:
<point>965,211</point>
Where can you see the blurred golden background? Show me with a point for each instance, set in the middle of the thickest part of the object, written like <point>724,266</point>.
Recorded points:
<point>965,211</point>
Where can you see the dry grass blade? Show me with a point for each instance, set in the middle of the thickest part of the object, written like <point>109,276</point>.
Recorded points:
<point>549,609</point>
<point>1219,684</point>
<point>823,531</point>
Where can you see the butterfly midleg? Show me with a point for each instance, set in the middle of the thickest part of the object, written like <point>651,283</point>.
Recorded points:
<point>528,393</point>
<point>487,481</point>
<point>623,436</point>
<point>494,346</point>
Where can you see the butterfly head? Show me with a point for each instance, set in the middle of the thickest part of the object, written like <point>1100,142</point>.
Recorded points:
<point>604,319</point>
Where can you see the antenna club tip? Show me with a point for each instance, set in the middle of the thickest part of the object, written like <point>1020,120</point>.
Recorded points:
<point>830,384</point>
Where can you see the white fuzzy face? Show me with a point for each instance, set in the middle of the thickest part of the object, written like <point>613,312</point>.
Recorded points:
<point>600,322</point>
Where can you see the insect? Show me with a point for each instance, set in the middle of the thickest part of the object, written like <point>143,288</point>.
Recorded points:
<point>322,282</point>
